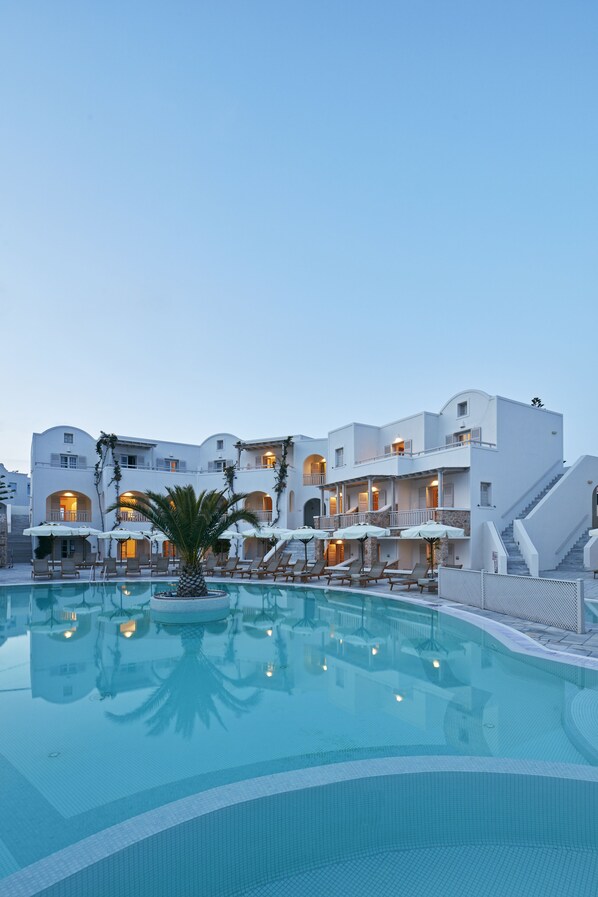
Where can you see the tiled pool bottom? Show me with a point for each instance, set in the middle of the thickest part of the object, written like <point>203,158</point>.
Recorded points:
<point>416,826</point>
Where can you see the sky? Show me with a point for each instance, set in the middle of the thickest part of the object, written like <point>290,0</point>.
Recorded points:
<point>269,218</point>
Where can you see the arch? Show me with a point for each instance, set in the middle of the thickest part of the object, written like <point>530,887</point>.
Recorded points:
<point>261,505</point>
<point>127,516</point>
<point>314,470</point>
<point>68,506</point>
<point>311,510</point>
<point>291,501</point>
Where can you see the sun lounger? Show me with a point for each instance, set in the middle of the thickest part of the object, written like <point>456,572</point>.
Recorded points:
<point>256,564</point>
<point>133,568</point>
<point>68,568</point>
<point>109,568</point>
<point>406,580</point>
<point>227,569</point>
<point>375,574</point>
<point>315,572</point>
<point>278,562</point>
<point>160,568</point>
<point>41,568</point>
<point>291,571</point>
<point>338,576</point>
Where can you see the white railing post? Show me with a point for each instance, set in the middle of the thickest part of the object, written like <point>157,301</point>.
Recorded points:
<point>483,589</point>
<point>581,622</point>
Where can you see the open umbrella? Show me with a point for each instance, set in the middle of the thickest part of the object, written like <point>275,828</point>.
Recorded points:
<point>121,535</point>
<point>49,529</point>
<point>361,532</point>
<point>305,534</point>
<point>85,532</point>
<point>432,532</point>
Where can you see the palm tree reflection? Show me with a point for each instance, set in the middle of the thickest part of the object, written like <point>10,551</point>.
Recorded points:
<point>191,691</point>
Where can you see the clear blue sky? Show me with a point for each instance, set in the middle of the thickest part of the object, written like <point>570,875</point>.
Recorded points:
<point>277,217</point>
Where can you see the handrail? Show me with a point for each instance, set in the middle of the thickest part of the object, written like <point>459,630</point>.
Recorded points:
<point>531,491</point>
<point>576,529</point>
<point>441,448</point>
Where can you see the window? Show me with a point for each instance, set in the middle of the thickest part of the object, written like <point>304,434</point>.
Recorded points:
<point>128,460</point>
<point>462,409</point>
<point>448,495</point>
<point>172,464</point>
<point>68,438</point>
<point>339,457</point>
<point>269,460</point>
<point>68,461</point>
<point>485,495</point>
<point>219,445</point>
<point>12,487</point>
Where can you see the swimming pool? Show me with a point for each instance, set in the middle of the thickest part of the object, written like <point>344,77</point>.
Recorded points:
<point>107,716</point>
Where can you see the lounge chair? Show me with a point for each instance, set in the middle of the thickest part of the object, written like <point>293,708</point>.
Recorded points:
<point>406,580</point>
<point>133,567</point>
<point>161,566</point>
<point>314,572</point>
<point>227,569</point>
<point>256,564</point>
<point>275,563</point>
<point>109,568</point>
<point>375,574</point>
<point>68,568</point>
<point>345,573</point>
<point>41,568</point>
<point>290,571</point>
<point>209,565</point>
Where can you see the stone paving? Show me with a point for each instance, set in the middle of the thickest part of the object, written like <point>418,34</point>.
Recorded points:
<point>550,637</point>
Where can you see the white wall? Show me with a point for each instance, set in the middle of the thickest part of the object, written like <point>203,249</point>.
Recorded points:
<point>559,519</point>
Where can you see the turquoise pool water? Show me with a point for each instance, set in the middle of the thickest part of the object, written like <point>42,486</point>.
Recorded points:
<point>106,715</point>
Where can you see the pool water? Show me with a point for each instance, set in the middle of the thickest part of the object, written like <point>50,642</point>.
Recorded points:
<point>106,715</point>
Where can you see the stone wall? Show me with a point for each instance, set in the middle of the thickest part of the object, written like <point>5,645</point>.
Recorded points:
<point>3,537</point>
<point>462,519</point>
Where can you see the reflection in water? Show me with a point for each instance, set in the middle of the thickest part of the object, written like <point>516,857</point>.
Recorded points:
<point>334,670</point>
<point>191,691</point>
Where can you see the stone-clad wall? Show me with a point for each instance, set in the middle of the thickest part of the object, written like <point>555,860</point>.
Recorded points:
<point>3,537</point>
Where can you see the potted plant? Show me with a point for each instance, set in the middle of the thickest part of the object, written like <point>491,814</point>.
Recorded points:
<point>194,524</point>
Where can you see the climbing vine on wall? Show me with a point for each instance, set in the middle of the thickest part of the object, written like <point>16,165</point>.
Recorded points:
<point>230,472</point>
<point>106,452</point>
<point>282,475</point>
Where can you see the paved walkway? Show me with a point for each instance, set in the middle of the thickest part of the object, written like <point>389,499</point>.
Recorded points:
<point>554,639</point>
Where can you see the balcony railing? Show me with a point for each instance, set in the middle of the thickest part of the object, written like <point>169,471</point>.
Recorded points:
<point>132,517</point>
<point>451,446</point>
<point>314,479</point>
<point>338,521</point>
<point>69,516</point>
<point>262,516</point>
<point>459,517</point>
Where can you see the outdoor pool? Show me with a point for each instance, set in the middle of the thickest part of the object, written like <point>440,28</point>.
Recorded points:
<point>345,731</point>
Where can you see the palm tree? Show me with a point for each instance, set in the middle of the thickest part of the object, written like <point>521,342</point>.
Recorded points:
<point>193,524</point>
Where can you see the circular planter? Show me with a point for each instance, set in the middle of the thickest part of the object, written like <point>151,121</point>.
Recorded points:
<point>166,609</point>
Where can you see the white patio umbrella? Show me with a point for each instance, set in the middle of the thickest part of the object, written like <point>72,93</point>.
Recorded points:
<point>86,532</point>
<point>121,535</point>
<point>306,534</point>
<point>361,532</point>
<point>52,530</point>
<point>432,532</point>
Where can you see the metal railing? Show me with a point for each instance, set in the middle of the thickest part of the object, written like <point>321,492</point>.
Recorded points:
<point>132,517</point>
<point>69,516</point>
<point>431,451</point>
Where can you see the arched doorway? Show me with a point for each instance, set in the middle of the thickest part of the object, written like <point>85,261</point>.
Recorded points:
<point>311,510</point>
<point>314,470</point>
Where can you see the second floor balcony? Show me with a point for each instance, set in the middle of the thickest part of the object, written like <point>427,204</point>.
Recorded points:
<point>398,520</point>
<point>62,516</point>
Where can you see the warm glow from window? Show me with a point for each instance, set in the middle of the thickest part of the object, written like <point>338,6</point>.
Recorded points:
<point>68,494</point>
<point>128,629</point>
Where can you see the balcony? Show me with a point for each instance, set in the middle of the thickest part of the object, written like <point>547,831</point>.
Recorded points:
<point>418,516</point>
<point>314,479</point>
<point>132,517</point>
<point>69,516</point>
<point>339,521</point>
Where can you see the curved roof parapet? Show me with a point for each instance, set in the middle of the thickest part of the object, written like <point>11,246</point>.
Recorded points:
<point>70,428</point>
<point>465,392</point>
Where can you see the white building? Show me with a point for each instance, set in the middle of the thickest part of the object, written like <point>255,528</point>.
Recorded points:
<point>487,464</point>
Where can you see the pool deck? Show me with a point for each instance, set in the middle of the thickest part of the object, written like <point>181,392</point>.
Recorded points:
<point>551,638</point>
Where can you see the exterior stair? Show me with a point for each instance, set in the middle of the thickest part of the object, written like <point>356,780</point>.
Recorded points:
<point>295,546</point>
<point>19,546</point>
<point>573,560</point>
<point>515,562</point>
